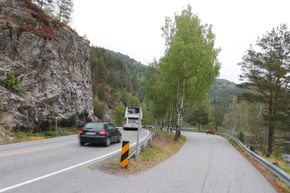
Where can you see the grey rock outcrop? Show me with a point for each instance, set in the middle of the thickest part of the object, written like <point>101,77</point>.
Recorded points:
<point>51,63</point>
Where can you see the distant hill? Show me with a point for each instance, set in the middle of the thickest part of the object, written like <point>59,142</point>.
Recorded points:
<point>223,92</point>
<point>116,78</point>
<point>132,66</point>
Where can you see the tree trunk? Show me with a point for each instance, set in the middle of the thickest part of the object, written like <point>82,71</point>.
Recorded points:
<point>179,110</point>
<point>270,141</point>
<point>162,124</point>
<point>170,119</point>
<point>270,125</point>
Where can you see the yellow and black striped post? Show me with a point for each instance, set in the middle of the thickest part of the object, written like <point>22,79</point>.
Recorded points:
<point>125,153</point>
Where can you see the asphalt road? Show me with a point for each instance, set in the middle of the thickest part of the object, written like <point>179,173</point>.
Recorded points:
<point>31,161</point>
<point>205,164</point>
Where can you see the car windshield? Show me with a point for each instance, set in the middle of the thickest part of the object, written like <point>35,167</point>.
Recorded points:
<point>95,126</point>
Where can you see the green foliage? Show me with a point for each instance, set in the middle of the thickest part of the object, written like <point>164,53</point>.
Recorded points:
<point>241,136</point>
<point>277,153</point>
<point>217,117</point>
<point>199,116</point>
<point>11,82</point>
<point>156,96</point>
<point>148,117</point>
<point>64,9</point>
<point>31,136</point>
<point>132,66</point>
<point>119,114</point>
<point>211,126</point>
<point>223,93</point>
<point>134,101</point>
<point>99,111</point>
<point>114,79</point>
<point>108,69</point>
<point>266,70</point>
<point>190,64</point>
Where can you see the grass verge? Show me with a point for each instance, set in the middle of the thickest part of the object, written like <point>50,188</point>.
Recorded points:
<point>161,148</point>
<point>282,163</point>
<point>280,186</point>
<point>33,136</point>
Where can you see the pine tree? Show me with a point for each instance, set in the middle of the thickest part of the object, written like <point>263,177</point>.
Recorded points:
<point>267,71</point>
<point>43,3</point>
<point>64,9</point>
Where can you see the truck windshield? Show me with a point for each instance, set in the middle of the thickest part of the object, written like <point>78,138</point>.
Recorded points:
<point>132,110</point>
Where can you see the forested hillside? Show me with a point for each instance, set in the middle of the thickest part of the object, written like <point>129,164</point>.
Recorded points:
<point>133,67</point>
<point>115,81</point>
<point>223,93</point>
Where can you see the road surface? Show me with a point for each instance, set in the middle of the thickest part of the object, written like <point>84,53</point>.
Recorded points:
<point>22,162</point>
<point>205,164</point>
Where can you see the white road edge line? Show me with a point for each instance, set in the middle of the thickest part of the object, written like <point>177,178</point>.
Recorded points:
<point>66,169</point>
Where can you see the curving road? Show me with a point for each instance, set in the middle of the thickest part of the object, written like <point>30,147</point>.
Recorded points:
<point>23,162</point>
<point>205,164</point>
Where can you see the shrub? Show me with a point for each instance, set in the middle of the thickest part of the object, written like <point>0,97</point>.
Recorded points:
<point>277,153</point>
<point>241,136</point>
<point>11,82</point>
<point>98,108</point>
<point>119,114</point>
<point>99,111</point>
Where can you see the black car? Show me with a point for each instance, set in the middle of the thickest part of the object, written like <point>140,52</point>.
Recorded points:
<point>95,133</point>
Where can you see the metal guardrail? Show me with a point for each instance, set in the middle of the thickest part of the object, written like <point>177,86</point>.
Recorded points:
<point>274,169</point>
<point>142,144</point>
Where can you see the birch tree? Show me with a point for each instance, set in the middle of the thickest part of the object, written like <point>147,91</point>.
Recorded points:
<point>190,63</point>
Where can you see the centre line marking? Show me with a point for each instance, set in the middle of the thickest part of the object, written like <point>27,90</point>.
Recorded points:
<point>66,169</point>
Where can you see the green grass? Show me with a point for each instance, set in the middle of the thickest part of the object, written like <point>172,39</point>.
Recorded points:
<point>160,149</point>
<point>285,168</point>
<point>32,136</point>
<point>150,153</point>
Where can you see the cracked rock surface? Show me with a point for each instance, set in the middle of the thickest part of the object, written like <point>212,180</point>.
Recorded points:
<point>50,61</point>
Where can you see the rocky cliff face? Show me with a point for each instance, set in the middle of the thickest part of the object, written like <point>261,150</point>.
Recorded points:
<point>51,63</point>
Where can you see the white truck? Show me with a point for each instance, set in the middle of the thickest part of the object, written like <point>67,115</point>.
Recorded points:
<point>132,117</point>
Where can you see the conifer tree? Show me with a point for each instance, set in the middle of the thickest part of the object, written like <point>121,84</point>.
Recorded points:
<point>43,3</point>
<point>266,68</point>
<point>64,9</point>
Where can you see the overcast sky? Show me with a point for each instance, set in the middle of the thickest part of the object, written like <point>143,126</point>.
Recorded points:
<point>132,27</point>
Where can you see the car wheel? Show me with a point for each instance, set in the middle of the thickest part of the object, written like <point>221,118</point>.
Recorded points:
<point>108,142</point>
<point>119,139</point>
<point>82,143</point>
